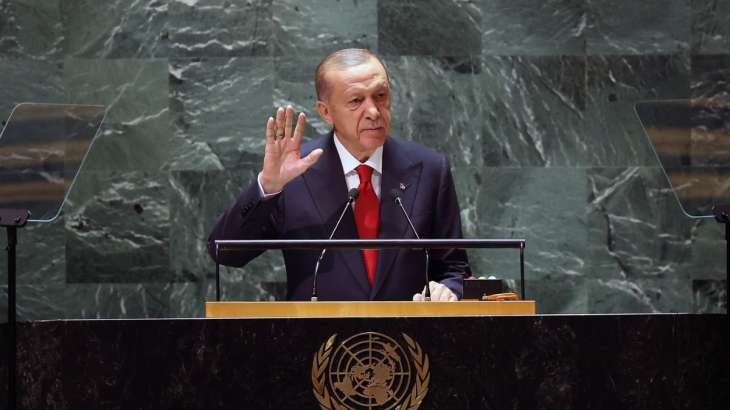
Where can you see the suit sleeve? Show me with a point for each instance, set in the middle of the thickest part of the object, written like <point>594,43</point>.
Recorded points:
<point>251,217</point>
<point>448,266</point>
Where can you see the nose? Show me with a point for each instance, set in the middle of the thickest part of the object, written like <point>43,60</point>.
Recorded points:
<point>371,110</point>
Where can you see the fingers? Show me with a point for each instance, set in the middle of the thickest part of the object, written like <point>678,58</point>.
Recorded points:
<point>436,291</point>
<point>299,130</point>
<point>441,293</point>
<point>419,297</point>
<point>279,129</point>
<point>289,118</point>
<point>270,132</point>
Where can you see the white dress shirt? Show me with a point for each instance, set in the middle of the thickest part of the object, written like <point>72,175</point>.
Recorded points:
<point>349,165</point>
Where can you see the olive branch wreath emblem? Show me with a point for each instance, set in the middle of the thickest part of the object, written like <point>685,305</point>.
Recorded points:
<point>411,402</point>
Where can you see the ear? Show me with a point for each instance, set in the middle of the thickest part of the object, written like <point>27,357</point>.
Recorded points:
<point>324,112</point>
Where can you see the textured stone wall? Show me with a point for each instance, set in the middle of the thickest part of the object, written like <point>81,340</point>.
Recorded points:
<point>531,100</point>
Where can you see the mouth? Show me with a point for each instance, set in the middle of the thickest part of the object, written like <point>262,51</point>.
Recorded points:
<point>372,129</point>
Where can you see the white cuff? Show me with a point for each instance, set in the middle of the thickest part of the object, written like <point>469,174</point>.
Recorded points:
<point>263,194</point>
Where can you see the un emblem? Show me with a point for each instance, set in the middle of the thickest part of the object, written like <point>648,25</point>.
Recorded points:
<point>370,371</point>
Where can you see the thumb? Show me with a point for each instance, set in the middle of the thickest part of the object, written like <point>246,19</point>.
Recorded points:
<point>303,164</point>
<point>313,156</point>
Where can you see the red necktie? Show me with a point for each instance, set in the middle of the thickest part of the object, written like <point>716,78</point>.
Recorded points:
<point>367,218</point>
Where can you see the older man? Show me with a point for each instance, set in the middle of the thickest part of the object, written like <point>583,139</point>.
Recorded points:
<point>302,189</point>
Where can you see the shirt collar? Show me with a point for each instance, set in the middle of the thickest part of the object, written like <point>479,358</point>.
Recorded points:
<point>349,162</point>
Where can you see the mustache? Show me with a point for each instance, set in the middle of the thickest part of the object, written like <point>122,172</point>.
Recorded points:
<point>374,126</point>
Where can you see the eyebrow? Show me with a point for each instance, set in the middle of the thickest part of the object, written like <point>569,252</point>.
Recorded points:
<point>378,84</point>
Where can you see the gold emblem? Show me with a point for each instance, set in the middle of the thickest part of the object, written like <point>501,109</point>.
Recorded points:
<point>370,371</point>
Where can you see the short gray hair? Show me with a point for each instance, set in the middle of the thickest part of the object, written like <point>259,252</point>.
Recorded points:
<point>341,59</point>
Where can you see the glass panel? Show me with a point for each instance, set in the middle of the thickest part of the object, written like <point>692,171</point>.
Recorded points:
<point>691,139</point>
<point>42,147</point>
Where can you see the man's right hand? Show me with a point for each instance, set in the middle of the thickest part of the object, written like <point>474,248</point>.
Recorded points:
<point>282,158</point>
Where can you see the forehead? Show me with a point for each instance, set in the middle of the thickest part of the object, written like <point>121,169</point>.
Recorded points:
<point>367,75</point>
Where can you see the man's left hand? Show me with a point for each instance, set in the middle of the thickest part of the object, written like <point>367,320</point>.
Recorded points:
<point>439,293</point>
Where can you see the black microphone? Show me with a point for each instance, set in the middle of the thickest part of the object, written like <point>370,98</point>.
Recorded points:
<point>351,197</point>
<point>395,193</point>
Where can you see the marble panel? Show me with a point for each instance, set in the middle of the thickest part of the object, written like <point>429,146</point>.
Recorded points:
<point>525,27</point>
<point>115,28</point>
<point>37,81</point>
<point>437,102</point>
<point>294,84</point>
<point>252,282</point>
<point>137,300</point>
<point>135,90</point>
<point>117,229</point>
<point>710,77</point>
<point>429,27</point>
<point>638,27</point>
<point>709,296</point>
<point>107,301</point>
<point>567,295</point>
<point>707,256</point>
<point>219,28</point>
<point>30,29</point>
<point>614,85</point>
<point>637,229</point>
<point>40,255</point>
<point>534,111</point>
<point>319,27</point>
<point>542,205</point>
<point>710,26</point>
<point>167,28</point>
<point>136,134</point>
<point>639,296</point>
<point>199,198</point>
<point>220,107</point>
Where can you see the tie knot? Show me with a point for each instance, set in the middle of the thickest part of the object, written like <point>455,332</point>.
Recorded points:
<point>364,172</point>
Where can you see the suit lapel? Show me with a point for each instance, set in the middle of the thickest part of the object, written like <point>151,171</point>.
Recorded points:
<point>398,168</point>
<point>328,189</point>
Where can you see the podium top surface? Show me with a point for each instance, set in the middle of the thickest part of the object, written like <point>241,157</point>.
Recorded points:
<point>365,309</point>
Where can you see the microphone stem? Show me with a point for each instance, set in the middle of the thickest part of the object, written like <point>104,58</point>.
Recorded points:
<point>427,291</point>
<point>321,255</point>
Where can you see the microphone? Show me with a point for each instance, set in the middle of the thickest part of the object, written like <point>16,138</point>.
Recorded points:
<point>395,193</point>
<point>351,197</point>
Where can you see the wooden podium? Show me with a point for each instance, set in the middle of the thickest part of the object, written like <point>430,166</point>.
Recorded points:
<point>366,309</point>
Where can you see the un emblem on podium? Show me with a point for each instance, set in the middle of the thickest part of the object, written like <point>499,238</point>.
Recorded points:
<point>370,371</point>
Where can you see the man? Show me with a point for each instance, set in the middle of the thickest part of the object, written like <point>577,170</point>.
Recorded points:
<point>302,189</point>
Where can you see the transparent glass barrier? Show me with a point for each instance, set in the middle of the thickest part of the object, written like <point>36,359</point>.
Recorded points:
<point>42,147</point>
<point>691,139</point>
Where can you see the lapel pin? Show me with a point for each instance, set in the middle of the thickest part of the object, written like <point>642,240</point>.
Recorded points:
<point>402,187</point>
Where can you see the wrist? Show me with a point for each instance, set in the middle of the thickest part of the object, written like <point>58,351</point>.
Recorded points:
<point>269,186</point>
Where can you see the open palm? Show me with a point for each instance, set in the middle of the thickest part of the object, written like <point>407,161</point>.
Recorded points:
<point>282,158</point>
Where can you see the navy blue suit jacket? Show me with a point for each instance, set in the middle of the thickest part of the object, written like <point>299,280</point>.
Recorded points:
<point>309,206</point>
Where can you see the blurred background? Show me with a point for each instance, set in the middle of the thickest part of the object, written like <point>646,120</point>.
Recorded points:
<point>533,102</point>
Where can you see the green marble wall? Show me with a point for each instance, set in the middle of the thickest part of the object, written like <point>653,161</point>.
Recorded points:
<point>531,100</point>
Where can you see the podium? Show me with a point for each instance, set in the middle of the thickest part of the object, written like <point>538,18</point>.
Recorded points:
<point>366,309</point>
<point>496,362</point>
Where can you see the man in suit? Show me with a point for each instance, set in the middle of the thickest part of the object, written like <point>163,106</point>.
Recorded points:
<point>302,190</point>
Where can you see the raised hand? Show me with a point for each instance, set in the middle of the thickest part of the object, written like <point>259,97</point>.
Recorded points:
<point>282,158</point>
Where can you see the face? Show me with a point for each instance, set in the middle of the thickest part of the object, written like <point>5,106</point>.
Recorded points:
<point>358,107</point>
